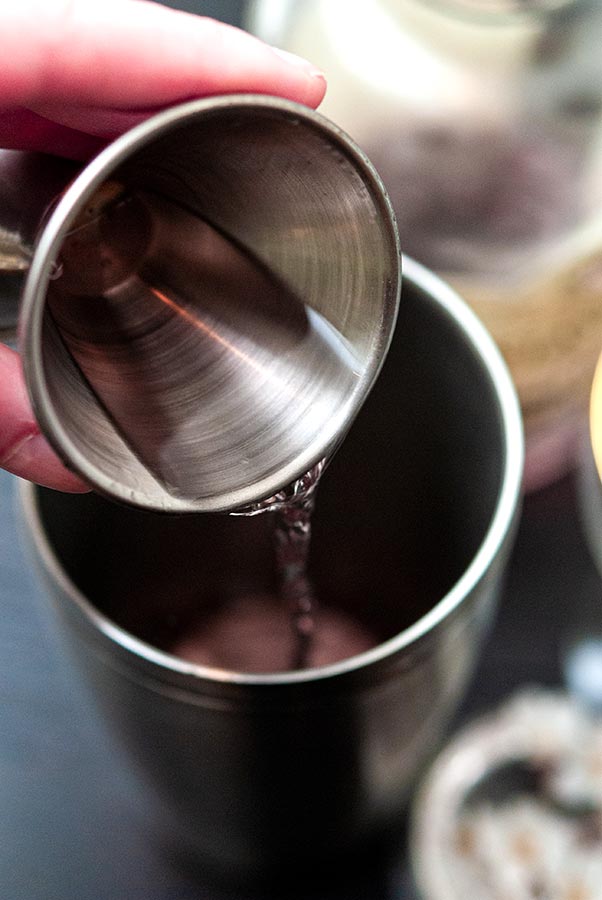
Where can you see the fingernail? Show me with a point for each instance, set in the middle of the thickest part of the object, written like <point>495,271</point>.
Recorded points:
<point>299,63</point>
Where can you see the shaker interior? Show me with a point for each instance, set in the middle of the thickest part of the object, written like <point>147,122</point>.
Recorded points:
<point>401,510</point>
<point>206,330</point>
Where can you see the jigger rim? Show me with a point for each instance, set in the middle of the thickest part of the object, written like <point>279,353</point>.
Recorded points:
<point>61,220</point>
<point>496,539</point>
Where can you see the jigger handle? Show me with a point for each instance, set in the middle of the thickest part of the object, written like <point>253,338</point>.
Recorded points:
<point>29,185</point>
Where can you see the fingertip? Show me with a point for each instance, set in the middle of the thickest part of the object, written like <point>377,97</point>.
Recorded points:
<point>316,90</point>
<point>23,449</point>
<point>314,78</point>
<point>299,62</point>
<point>32,458</point>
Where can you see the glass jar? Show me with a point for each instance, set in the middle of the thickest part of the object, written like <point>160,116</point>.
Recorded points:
<point>484,119</point>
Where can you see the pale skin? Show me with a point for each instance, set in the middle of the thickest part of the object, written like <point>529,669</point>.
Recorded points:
<point>76,73</point>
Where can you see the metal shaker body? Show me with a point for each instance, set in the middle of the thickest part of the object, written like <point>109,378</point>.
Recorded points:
<point>208,303</point>
<point>413,525</point>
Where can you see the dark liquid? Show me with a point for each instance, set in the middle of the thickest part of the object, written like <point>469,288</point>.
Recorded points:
<point>284,630</point>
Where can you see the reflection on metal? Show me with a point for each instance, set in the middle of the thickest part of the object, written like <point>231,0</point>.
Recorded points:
<point>209,302</point>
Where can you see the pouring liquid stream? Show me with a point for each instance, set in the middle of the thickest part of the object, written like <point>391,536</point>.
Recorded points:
<point>293,508</point>
<point>292,539</point>
<point>290,626</point>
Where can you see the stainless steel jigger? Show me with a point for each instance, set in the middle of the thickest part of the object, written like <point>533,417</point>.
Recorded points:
<point>208,302</point>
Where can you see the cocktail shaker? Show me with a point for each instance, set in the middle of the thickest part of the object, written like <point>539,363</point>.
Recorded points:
<point>267,769</point>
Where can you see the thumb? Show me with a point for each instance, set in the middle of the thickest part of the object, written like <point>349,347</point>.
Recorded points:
<point>23,450</point>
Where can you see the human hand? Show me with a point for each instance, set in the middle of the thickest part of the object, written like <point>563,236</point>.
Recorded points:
<point>74,74</point>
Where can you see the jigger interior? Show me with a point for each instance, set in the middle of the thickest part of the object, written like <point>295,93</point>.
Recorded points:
<point>210,303</point>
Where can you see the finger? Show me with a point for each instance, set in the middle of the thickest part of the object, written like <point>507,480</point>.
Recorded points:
<point>136,54</point>
<point>22,129</point>
<point>23,450</point>
<point>98,121</point>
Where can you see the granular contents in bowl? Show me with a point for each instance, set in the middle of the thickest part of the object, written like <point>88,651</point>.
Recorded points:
<point>512,808</point>
<point>524,849</point>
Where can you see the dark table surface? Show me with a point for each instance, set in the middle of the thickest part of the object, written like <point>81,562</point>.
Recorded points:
<point>75,824</point>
